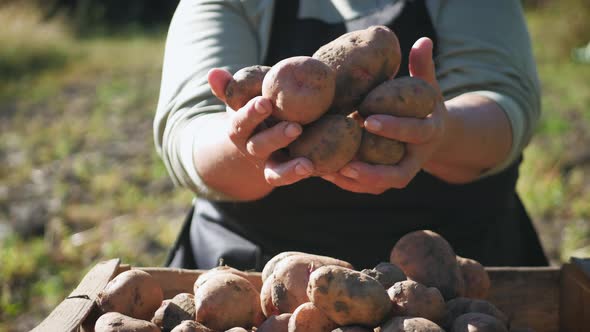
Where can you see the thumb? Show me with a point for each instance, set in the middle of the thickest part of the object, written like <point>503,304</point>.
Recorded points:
<point>421,63</point>
<point>218,79</point>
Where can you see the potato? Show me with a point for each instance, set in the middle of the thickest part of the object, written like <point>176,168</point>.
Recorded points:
<point>379,150</point>
<point>477,280</point>
<point>477,322</point>
<point>246,84</point>
<point>407,97</point>
<point>172,312</point>
<point>226,300</point>
<point>276,323</point>
<point>348,297</point>
<point>252,278</point>
<point>272,263</point>
<point>117,322</point>
<point>410,324</point>
<point>402,97</point>
<point>462,305</point>
<point>427,258</point>
<point>133,293</point>
<point>286,288</point>
<point>353,328</point>
<point>191,326</point>
<point>308,318</point>
<point>386,273</point>
<point>237,329</point>
<point>301,89</point>
<point>330,143</point>
<point>413,299</point>
<point>362,60</point>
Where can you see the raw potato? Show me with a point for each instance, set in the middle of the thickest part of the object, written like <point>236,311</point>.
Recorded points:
<point>348,297</point>
<point>462,305</point>
<point>330,143</point>
<point>362,60</point>
<point>226,300</point>
<point>276,323</point>
<point>406,97</point>
<point>272,263</point>
<point>353,328</point>
<point>308,318</point>
<point>379,150</point>
<point>173,312</point>
<point>477,322</point>
<point>386,273</point>
<point>245,85</point>
<point>191,326</point>
<point>477,280</point>
<point>252,278</point>
<point>410,324</point>
<point>133,293</point>
<point>402,97</point>
<point>301,89</point>
<point>426,257</point>
<point>410,298</point>
<point>117,322</point>
<point>286,288</point>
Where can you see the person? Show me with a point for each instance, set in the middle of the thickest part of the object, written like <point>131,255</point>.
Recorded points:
<point>458,177</point>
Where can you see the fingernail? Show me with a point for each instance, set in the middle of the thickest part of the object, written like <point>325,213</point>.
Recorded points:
<point>261,107</point>
<point>373,124</point>
<point>349,172</point>
<point>302,169</point>
<point>292,130</point>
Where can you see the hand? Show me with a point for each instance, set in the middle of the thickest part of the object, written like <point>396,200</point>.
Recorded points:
<point>257,143</point>
<point>422,137</point>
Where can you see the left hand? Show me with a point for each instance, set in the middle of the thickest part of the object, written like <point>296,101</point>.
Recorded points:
<point>422,137</point>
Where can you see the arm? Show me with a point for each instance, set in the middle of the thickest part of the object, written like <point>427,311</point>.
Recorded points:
<point>205,148</point>
<point>486,73</point>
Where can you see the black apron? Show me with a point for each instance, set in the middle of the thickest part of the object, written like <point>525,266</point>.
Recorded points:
<point>484,220</point>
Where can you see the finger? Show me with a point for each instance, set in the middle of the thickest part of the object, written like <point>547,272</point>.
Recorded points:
<point>282,174</point>
<point>421,64</point>
<point>352,185</point>
<point>381,176</point>
<point>263,144</point>
<point>218,79</point>
<point>409,130</point>
<point>244,122</point>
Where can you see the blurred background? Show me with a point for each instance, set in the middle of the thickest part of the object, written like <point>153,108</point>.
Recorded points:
<point>80,181</point>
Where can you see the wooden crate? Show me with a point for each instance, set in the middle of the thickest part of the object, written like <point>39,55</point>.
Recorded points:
<point>547,299</point>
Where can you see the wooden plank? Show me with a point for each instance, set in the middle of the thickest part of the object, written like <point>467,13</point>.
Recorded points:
<point>175,281</point>
<point>575,298</point>
<point>69,314</point>
<point>529,296</point>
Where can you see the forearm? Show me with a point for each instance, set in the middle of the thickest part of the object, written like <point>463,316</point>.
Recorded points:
<point>477,138</point>
<point>221,165</point>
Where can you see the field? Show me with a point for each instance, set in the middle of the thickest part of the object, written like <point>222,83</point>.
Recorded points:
<point>80,180</point>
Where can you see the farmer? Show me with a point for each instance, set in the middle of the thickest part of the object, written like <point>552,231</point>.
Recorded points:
<point>459,174</point>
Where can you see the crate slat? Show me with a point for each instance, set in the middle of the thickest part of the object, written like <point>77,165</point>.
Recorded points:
<point>70,313</point>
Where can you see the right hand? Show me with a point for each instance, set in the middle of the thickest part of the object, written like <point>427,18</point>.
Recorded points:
<point>259,144</point>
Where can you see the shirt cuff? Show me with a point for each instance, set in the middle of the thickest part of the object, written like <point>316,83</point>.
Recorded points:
<point>517,123</point>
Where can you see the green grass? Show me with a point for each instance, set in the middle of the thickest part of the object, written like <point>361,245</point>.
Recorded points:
<point>76,147</point>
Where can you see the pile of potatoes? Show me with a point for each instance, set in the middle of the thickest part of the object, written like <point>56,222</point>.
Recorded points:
<point>330,94</point>
<point>425,287</point>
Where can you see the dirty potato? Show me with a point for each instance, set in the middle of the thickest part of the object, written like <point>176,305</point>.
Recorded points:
<point>117,322</point>
<point>330,143</point>
<point>427,258</point>
<point>348,297</point>
<point>410,298</point>
<point>300,88</point>
<point>245,84</point>
<point>308,318</point>
<point>133,293</point>
<point>477,280</point>
<point>362,60</point>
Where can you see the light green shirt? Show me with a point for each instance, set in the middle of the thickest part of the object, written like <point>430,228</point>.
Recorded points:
<point>483,48</point>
